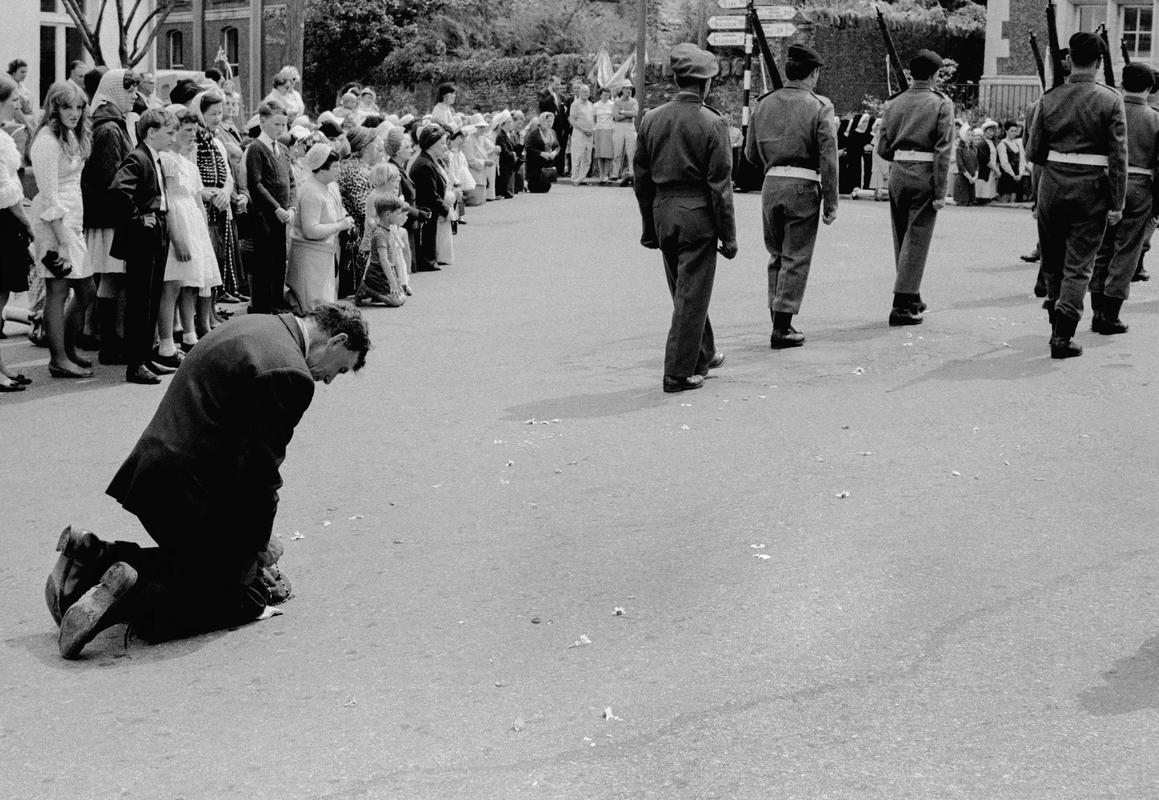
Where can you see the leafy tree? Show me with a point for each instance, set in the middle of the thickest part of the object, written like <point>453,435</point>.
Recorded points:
<point>346,39</point>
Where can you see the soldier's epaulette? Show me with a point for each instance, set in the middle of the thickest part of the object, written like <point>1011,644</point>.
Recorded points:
<point>896,94</point>
<point>940,94</point>
<point>713,110</point>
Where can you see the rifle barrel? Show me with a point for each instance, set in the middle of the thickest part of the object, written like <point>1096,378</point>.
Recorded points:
<point>902,81</point>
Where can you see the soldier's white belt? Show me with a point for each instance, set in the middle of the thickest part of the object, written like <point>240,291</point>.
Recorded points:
<point>1139,171</point>
<point>1086,159</point>
<point>795,172</point>
<point>913,155</point>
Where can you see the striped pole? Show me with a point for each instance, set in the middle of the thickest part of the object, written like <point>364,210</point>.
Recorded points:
<point>748,86</point>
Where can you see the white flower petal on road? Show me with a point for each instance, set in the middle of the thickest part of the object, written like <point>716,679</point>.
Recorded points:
<point>618,611</point>
<point>518,724</point>
<point>686,428</point>
<point>609,715</point>
<point>842,495</point>
<point>762,556</point>
<point>356,516</point>
<point>582,641</point>
<point>858,371</point>
<point>297,535</point>
<point>757,546</point>
<point>351,703</point>
<point>867,453</point>
<point>956,474</point>
<point>325,523</point>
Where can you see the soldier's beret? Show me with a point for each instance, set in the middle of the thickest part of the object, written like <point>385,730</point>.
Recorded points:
<point>1085,48</point>
<point>1138,77</point>
<point>924,64</point>
<point>689,61</point>
<point>804,54</point>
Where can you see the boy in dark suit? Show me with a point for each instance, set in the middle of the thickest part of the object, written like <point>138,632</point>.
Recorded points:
<point>267,167</point>
<point>141,240</point>
<point>221,429</point>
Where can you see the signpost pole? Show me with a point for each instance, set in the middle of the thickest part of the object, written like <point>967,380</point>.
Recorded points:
<point>748,87</point>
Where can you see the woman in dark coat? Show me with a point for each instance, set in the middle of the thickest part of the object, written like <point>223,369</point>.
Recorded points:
<point>540,149</point>
<point>399,150</point>
<point>430,186</point>
<point>966,157</point>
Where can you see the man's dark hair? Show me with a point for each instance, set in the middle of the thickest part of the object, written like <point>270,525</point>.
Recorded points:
<point>154,118</point>
<point>92,80</point>
<point>213,74</point>
<point>336,318</point>
<point>1085,49</point>
<point>798,70</point>
<point>16,64</point>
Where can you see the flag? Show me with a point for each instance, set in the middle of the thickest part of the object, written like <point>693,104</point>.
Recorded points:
<point>221,60</point>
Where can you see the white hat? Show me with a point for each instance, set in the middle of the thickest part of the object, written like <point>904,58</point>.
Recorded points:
<point>406,120</point>
<point>328,116</point>
<point>299,132</point>
<point>477,120</point>
<point>302,121</point>
<point>316,156</point>
<point>383,129</point>
<point>500,118</point>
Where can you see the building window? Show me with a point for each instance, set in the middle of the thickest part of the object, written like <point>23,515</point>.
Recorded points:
<point>1137,28</point>
<point>229,43</point>
<point>1091,17</point>
<point>176,50</point>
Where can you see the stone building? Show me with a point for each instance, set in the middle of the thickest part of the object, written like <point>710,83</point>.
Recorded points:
<point>1010,80</point>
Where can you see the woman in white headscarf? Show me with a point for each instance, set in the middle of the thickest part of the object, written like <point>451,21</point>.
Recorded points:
<point>111,143</point>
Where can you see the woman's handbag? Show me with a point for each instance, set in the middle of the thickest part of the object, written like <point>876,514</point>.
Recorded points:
<point>549,174</point>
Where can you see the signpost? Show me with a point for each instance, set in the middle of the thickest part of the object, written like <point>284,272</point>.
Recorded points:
<point>776,12</point>
<point>726,38</point>
<point>779,30</point>
<point>729,22</point>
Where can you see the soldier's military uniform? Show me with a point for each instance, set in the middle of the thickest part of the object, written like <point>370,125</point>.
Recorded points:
<point>1122,246</point>
<point>792,138</point>
<point>917,130</point>
<point>1078,142</point>
<point>683,184</point>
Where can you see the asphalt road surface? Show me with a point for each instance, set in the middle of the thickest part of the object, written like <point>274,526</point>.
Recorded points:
<point>894,563</point>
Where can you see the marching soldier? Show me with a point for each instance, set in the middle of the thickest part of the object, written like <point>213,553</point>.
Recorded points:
<point>1078,141</point>
<point>792,138</point>
<point>683,184</point>
<point>1122,247</point>
<point>916,133</point>
<point>1141,273</point>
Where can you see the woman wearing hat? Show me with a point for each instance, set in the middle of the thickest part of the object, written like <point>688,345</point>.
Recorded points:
<point>430,185</point>
<point>354,186</point>
<point>313,263</point>
<point>475,149</point>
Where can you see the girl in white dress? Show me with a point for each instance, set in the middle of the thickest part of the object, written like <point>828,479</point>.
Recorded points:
<point>191,271</point>
<point>58,154</point>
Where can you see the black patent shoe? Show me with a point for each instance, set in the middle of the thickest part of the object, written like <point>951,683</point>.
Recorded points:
<point>904,316</point>
<point>783,338</point>
<point>673,383</point>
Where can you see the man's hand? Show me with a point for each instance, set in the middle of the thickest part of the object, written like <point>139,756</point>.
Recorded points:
<point>727,249</point>
<point>829,217</point>
<point>149,220</point>
<point>939,204</point>
<point>1114,217</point>
<point>650,243</point>
<point>273,552</point>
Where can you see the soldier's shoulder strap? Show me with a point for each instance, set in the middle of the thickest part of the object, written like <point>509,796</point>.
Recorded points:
<point>766,94</point>
<point>896,94</point>
<point>713,110</point>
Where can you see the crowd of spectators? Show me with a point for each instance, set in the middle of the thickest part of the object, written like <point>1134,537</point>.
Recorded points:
<point>147,220</point>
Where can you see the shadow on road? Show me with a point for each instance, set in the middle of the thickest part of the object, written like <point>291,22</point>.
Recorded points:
<point>586,406</point>
<point>1131,685</point>
<point>109,649</point>
<point>1024,357</point>
<point>1008,301</point>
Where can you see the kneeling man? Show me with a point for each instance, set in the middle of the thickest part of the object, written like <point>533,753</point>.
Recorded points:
<point>218,438</point>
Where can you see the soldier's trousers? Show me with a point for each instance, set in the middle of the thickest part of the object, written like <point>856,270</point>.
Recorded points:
<point>791,208</point>
<point>687,234</point>
<point>911,208</point>
<point>1072,216</point>
<point>1122,245</point>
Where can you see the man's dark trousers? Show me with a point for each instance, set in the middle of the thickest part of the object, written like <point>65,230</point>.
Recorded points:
<point>792,211</point>
<point>1122,247</point>
<point>911,208</point>
<point>268,282</point>
<point>1072,216</point>
<point>687,236</point>
<point>144,277</point>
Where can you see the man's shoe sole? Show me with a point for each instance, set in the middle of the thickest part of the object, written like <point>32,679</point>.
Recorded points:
<point>69,545</point>
<point>93,612</point>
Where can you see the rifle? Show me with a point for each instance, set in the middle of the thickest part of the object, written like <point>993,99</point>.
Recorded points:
<point>902,80</point>
<point>1126,51</point>
<point>1056,68</point>
<point>1038,65</point>
<point>763,45</point>
<point>1105,46</point>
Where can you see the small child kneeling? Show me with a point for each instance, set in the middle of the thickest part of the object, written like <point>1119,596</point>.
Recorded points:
<point>385,255</point>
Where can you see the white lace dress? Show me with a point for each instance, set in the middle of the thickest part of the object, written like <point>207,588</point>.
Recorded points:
<point>58,197</point>
<point>187,224</point>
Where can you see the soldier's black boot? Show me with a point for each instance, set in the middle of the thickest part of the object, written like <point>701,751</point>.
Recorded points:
<point>784,334</point>
<point>1107,321</point>
<point>1061,344</point>
<point>905,310</point>
<point>1097,301</point>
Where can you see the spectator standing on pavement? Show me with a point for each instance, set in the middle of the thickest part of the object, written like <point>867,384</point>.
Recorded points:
<point>683,185</point>
<point>267,169</point>
<point>286,92</point>
<point>625,109</point>
<point>15,229</point>
<point>22,113</point>
<point>583,126</point>
<point>603,148</point>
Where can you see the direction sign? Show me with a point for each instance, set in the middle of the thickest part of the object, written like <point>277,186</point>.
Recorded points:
<point>726,38</point>
<point>776,12</point>
<point>779,30</point>
<point>734,22</point>
<point>732,3</point>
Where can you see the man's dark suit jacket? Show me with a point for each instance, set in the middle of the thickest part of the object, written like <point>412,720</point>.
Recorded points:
<point>430,186</point>
<point>267,177</point>
<point>135,192</point>
<point>214,447</point>
<point>416,216</point>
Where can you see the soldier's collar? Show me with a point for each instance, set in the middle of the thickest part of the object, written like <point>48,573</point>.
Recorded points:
<point>688,96</point>
<point>1080,78</point>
